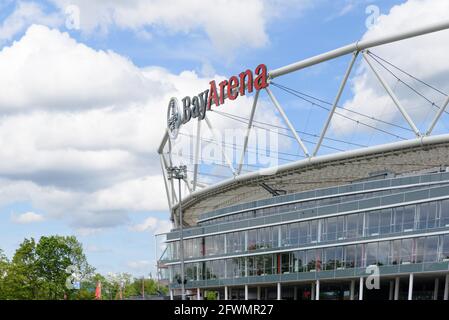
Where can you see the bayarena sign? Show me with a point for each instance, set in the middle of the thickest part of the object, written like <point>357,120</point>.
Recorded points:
<point>196,106</point>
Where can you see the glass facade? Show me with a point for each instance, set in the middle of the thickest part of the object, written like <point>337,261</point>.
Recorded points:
<point>410,227</point>
<point>382,253</point>
<point>399,220</point>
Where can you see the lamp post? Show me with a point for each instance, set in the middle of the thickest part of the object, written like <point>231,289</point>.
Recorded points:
<point>179,173</point>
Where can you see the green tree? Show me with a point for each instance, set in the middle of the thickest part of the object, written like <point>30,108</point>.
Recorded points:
<point>38,270</point>
<point>22,280</point>
<point>4,266</point>
<point>54,255</point>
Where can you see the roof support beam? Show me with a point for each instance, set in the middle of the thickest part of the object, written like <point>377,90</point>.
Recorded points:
<point>248,130</point>
<point>437,116</point>
<point>393,97</point>
<point>337,99</point>
<point>357,46</point>
<point>287,121</point>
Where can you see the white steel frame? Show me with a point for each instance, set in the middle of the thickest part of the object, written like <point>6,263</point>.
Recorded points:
<point>354,49</point>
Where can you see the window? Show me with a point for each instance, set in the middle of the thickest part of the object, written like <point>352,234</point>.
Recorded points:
<point>398,215</point>
<point>214,244</point>
<point>396,252</point>
<point>349,256</point>
<point>252,240</point>
<point>294,234</point>
<point>360,256</point>
<point>298,258</point>
<point>339,257</point>
<point>353,225</point>
<point>313,231</point>
<point>445,248</point>
<point>419,250</point>
<point>341,227</point>
<point>372,223</point>
<point>423,215</point>
<point>409,218</point>
<point>311,260</point>
<point>371,253</point>
<point>285,262</point>
<point>235,242</point>
<point>444,222</point>
<point>431,249</point>
<point>406,250</point>
<point>383,253</point>
<point>303,232</point>
<point>433,215</point>
<point>331,230</point>
<point>385,221</point>
<point>329,259</point>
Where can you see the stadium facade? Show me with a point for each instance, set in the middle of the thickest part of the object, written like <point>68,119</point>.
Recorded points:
<point>342,220</point>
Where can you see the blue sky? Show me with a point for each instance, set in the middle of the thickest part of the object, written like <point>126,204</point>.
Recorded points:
<point>84,108</point>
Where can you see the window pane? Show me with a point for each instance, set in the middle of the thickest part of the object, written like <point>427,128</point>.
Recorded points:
<point>423,214</point>
<point>331,228</point>
<point>385,221</point>
<point>371,253</point>
<point>409,218</point>
<point>406,250</point>
<point>383,253</point>
<point>398,213</point>
<point>444,222</point>
<point>329,259</point>
<point>373,221</point>
<point>349,256</point>
<point>431,249</point>
<point>445,249</point>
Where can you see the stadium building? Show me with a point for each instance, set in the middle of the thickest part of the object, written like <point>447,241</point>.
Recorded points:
<point>367,223</point>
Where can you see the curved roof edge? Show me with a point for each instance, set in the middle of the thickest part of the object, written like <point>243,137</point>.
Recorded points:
<point>422,141</point>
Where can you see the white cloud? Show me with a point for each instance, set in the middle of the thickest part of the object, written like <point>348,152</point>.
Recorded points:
<point>152,224</point>
<point>425,57</point>
<point>26,218</point>
<point>94,161</point>
<point>38,76</point>
<point>26,13</point>
<point>229,24</point>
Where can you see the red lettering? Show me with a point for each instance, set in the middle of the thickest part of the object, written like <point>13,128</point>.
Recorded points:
<point>248,84</point>
<point>212,95</point>
<point>222,86</point>
<point>261,80</point>
<point>233,85</point>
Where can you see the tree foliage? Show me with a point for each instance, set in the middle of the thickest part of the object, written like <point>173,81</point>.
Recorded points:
<point>39,270</point>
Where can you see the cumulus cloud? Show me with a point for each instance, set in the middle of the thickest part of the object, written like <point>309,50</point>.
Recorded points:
<point>424,57</point>
<point>80,129</point>
<point>152,224</point>
<point>25,14</point>
<point>27,217</point>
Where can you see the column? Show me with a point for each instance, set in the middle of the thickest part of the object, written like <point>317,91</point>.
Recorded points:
<point>198,294</point>
<point>317,291</point>
<point>258,293</point>
<point>295,293</point>
<point>435,290</point>
<point>446,287</point>
<point>226,292</point>
<point>361,289</point>
<point>171,294</point>
<point>279,291</point>
<point>391,294</point>
<point>396,288</point>
<point>410,287</point>
<point>352,290</point>
<point>312,296</point>
<point>246,292</point>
